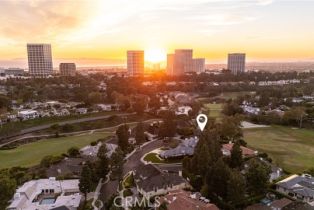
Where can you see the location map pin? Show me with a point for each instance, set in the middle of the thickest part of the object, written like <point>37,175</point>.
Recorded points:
<point>201,120</point>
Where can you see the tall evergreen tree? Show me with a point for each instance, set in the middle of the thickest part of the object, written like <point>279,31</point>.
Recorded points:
<point>168,127</point>
<point>86,183</point>
<point>236,155</point>
<point>7,188</point>
<point>257,177</point>
<point>123,137</point>
<point>103,162</point>
<point>236,187</point>
<point>139,133</point>
<point>217,179</point>
<point>116,163</point>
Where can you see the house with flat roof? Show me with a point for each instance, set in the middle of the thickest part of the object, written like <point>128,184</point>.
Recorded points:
<point>298,187</point>
<point>46,194</point>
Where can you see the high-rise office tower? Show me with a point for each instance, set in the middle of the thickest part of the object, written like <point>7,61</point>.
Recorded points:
<point>198,65</point>
<point>135,62</point>
<point>236,63</point>
<point>39,60</point>
<point>182,62</point>
<point>170,60</point>
<point>67,69</point>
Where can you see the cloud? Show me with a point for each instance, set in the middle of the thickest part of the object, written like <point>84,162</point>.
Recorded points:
<point>70,21</point>
<point>38,19</point>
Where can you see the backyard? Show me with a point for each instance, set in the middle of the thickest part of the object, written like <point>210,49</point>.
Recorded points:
<point>290,148</point>
<point>32,153</point>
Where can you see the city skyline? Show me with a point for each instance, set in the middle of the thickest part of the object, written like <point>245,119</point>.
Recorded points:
<point>94,34</point>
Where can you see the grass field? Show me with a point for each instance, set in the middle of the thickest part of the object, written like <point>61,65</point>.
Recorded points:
<point>214,110</point>
<point>12,127</point>
<point>32,153</point>
<point>292,149</point>
<point>234,95</point>
<point>153,157</point>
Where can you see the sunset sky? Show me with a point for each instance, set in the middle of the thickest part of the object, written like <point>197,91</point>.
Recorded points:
<point>96,32</point>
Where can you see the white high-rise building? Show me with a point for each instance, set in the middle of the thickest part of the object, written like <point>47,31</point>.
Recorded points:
<point>236,63</point>
<point>135,62</point>
<point>182,62</point>
<point>39,60</point>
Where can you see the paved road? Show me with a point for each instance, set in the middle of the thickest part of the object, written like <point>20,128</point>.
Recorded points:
<point>105,129</point>
<point>42,127</point>
<point>134,161</point>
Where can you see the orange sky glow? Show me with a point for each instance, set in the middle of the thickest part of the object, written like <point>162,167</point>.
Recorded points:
<point>98,32</point>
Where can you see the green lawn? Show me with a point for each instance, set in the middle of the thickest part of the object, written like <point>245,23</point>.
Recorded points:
<point>214,110</point>
<point>13,127</point>
<point>292,149</point>
<point>153,157</point>
<point>234,95</point>
<point>128,182</point>
<point>32,153</point>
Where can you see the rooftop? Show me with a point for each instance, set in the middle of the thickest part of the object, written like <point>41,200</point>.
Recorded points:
<point>185,200</point>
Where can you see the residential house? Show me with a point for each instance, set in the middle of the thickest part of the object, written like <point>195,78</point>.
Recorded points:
<point>246,152</point>
<point>28,114</point>
<point>151,181</point>
<point>183,110</point>
<point>186,147</point>
<point>46,194</point>
<point>92,151</point>
<point>81,111</point>
<point>298,187</point>
<point>183,200</point>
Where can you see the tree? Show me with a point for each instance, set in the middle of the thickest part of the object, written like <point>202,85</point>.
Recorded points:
<point>163,206</point>
<point>86,183</point>
<point>95,97</point>
<point>140,105</point>
<point>231,108</point>
<point>123,137</point>
<point>295,114</point>
<point>217,178</point>
<point>73,152</point>
<point>230,129</point>
<point>196,106</point>
<point>116,163</point>
<point>236,155</point>
<point>103,162</point>
<point>7,188</point>
<point>257,177</point>
<point>310,171</point>
<point>236,187</point>
<point>168,126</point>
<point>139,134</point>
<point>154,102</point>
<point>4,103</point>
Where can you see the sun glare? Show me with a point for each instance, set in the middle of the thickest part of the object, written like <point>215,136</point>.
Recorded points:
<point>155,55</point>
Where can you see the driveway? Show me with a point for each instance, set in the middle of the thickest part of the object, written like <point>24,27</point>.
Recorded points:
<point>134,161</point>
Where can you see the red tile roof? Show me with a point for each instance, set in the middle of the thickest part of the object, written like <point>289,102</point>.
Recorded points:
<point>245,151</point>
<point>181,200</point>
